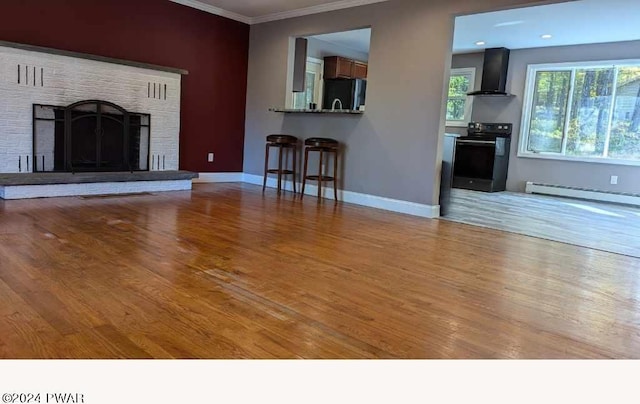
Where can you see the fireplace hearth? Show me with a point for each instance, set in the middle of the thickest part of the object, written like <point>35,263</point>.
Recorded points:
<point>90,136</point>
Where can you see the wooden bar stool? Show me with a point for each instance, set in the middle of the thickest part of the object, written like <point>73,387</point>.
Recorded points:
<point>281,142</point>
<point>325,147</point>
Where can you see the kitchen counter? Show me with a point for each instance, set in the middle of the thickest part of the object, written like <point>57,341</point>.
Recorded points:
<point>317,111</point>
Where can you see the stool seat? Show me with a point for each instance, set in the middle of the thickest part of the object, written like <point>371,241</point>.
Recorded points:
<point>326,147</point>
<point>282,139</point>
<point>282,143</point>
<point>323,142</point>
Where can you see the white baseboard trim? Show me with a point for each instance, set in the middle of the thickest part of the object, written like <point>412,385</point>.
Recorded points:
<point>589,194</point>
<point>394,205</point>
<point>271,182</point>
<point>218,177</point>
<point>372,201</point>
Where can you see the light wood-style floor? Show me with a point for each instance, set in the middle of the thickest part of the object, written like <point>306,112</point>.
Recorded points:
<point>602,226</point>
<point>225,272</point>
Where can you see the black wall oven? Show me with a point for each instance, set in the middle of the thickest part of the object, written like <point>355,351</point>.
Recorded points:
<point>482,157</point>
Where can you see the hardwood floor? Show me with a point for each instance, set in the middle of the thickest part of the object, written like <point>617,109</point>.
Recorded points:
<point>225,272</point>
<point>601,226</point>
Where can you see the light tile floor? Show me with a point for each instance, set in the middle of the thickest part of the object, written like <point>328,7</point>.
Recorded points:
<point>603,226</point>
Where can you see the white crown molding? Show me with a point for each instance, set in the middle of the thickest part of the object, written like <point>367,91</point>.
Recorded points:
<point>321,8</point>
<point>214,10</point>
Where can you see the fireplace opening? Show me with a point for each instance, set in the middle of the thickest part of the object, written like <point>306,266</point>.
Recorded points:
<point>89,136</point>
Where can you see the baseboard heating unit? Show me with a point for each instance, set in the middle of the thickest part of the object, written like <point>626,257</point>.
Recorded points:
<point>583,193</point>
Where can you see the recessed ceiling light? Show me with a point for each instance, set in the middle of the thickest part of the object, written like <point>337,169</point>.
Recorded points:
<point>546,36</point>
<point>480,43</point>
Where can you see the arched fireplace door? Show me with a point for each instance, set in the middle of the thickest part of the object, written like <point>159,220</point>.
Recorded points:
<point>90,136</point>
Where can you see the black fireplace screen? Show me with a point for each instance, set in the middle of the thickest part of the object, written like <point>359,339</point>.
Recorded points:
<point>90,136</point>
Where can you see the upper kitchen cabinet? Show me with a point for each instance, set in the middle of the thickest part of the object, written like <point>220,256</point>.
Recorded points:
<point>359,70</point>
<point>338,67</point>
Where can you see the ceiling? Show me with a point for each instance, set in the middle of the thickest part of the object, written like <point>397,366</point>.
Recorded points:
<point>358,40</point>
<point>571,23</point>
<point>257,11</point>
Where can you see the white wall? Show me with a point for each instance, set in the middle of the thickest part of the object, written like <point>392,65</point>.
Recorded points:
<point>67,80</point>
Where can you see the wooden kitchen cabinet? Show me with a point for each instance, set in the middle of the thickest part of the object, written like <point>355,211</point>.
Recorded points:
<point>359,70</point>
<point>337,67</point>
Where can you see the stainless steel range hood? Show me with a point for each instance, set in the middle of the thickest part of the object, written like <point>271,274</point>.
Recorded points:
<point>494,73</point>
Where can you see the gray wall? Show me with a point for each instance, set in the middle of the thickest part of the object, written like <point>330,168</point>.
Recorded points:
<point>394,149</point>
<point>319,49</point>
<point>569,173</point>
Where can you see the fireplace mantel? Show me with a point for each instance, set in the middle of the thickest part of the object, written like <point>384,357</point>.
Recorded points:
<point>89,56</point>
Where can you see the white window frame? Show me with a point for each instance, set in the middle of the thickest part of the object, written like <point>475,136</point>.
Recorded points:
<point>468,103</point>
<point>527,109</point>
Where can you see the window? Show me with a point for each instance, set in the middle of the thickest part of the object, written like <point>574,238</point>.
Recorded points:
<point>313,83</point>
<point>458,103</point>
<point>583,111</point>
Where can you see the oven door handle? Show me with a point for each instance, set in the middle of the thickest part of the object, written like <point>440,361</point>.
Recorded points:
<point>484,142</point>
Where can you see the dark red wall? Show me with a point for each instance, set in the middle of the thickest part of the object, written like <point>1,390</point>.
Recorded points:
<point>213,49</point>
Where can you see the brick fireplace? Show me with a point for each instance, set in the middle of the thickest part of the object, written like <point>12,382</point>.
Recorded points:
<point>62,112</point>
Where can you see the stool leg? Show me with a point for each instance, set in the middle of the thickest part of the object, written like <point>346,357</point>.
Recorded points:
<point>335,175</point>
<point>293,170</point>
<point>266,167</point>
<point>320,176</point>
<point>304,174</point>
<point>280,168</point>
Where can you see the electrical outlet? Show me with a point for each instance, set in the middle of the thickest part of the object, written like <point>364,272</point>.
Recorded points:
<point>210,157</point>
<point>614,180</point>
